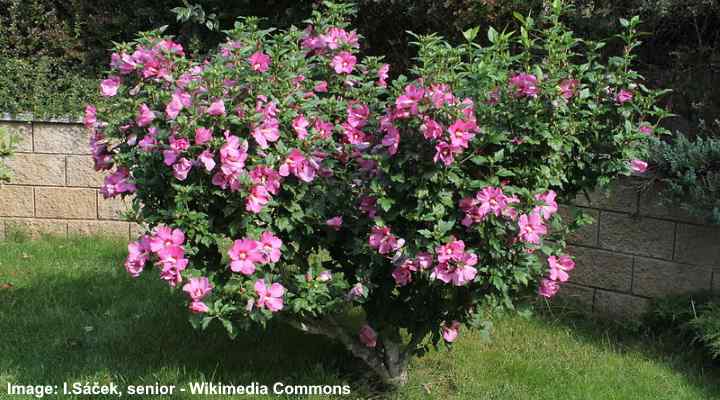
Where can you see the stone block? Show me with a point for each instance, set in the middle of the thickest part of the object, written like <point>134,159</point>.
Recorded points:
<point>36,228</point>
<point>603,269</point>
<point>61,138</point>
<point>113,208</point>
<point>656,278</point>
<point>635,235</point>
<point>619,305</point>
<point>16,201</point>
<point>80,172</point>
<point>699,245</point>
<point>621,196</point>
<point>67,203</point>
<point>577,297</point>
<point>37,169</point>
<point>99,228</point>
<point>650,205</point>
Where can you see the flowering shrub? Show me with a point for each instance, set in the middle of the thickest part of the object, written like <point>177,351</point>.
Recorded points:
<point>288,177</point>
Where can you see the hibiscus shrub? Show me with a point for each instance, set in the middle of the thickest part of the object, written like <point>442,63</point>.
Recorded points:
<point>288,178</point>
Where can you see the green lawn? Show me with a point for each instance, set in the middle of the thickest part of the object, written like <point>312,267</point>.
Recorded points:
<point>69,313</point>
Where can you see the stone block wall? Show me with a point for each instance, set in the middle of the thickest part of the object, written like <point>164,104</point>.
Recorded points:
<point>635,250</point>
<point>54,189</point>
<point>638,250</point>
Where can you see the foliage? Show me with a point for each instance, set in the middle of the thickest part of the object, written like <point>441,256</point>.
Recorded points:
<point>694,318</point>
<point>286,177</point>
<point>690,174</point>
<point>8,142</point>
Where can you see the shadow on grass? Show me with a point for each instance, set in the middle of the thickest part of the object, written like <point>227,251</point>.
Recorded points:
<point>92,323</point>
<point>624,336</point>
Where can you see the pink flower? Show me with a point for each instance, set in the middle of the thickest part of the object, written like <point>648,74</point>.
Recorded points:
<point>198,288</point>
<point>431,129</point>
<point>257,199</point>
<point>90,117</point>
<point>300,125</point>
<point>568,88</point>
<point>117,183</point>
<point>403,273</point>
<point>367,336</point>
<point>335,223</point>
<point>343,63</point>
<point>325,276</point>
<point>266,176</point>
<point>384,241</point>
<point>531,228</point>
<point>368,205</point>
<point>638,166</point>
<point>272,298</point>
<point>298,165</point>
<point>270,247</point>
<point>550,206</point>
<point>138,254</point>
<point>446,152</point>
<point>144,116</point>
<point>458,270</point>
<point>217,108</point>
<point>383,75</point>
<point>243,255</point>
<point>450,333</point>
<point>525,85</point>
<point>491,200</point>
<point>321,87</point>
<point>172,262</point>
<point>391,140</point>
<point>356,292</point>
<point>203,135</point>
<point>548,288</point>
<point>259,61</point>
<point>325,129</point>
<point>182,168</point>
<point>623,96</point>
<point>198,307</point>
<point>164,236</point>
<point>407,103</point>
<point>174,107</point>
<point>452,251</point>
<point>207,158</point>
<point>109,86</point>
<point>559,268</point>
<point>358,114</point>
<point>646,129</point>
<point>268,131</point>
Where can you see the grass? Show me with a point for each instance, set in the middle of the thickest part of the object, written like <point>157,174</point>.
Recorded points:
<point>69,313</point>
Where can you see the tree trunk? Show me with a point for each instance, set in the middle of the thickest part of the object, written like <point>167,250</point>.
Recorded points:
<point>388,360</point>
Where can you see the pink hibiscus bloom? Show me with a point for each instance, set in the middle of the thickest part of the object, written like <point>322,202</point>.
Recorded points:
<point>271,298</point>
<point>216,109</point>
<point>198,307</point>
<point>267,177</point>
<point>244,254</point>
<point>300,125</point>
<point>182,168</point>
<point>270,247</point>
<point>335,223</point>
<point>164,236</point>
<point>207,158</point>
<point>144,116</point>
<point>450,333</point>
<point>623,96</point>
<point>638,166</point>
<point>383,75</point>
<point>568,88</point>
<point>117,183</point>
<point>383,241</point>
<point>343,63</point>
<point>548,288</point>
<point>198,288</point>
<point>109,86</point>
<point>257,199</point>
<point>550,206</point>
<point>138,255</point>
<point>203,135</point>
<point>259,61</point>
<point>446,152</point>
<point>559,268</point>
<point>525,85</point>
<point>367,336</point>
<point>532,228</point>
